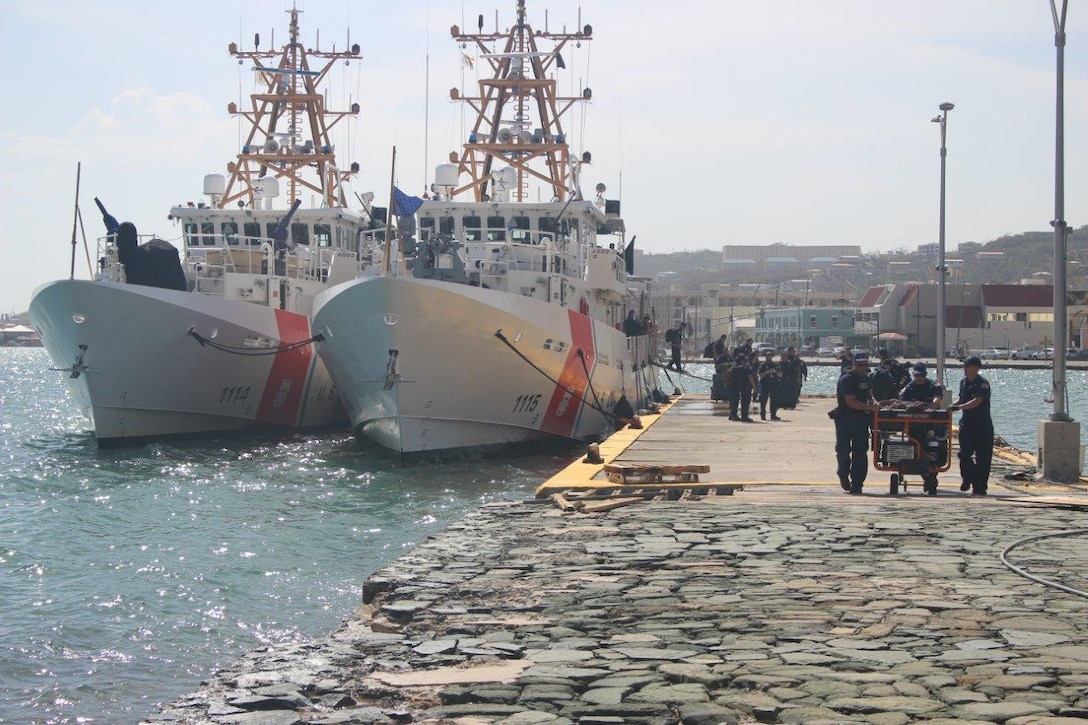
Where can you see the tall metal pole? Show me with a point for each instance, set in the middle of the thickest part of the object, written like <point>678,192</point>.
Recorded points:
<point>941,271</point>
<point>1059,224</point>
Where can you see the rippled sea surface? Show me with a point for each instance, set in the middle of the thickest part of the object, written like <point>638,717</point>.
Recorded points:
<point>127,576</point>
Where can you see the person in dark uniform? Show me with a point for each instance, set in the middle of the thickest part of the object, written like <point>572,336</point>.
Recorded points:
<point>846,360</point>
<point>675,337</point>
<point>922,389</point>
<point>770,375</point>
<point>852,418</point>
<point>976,428</point>
<point>883,384</point>
<point>741,380</point>
<point>719,385</point>
<point>632,326</point>
<point>794,372</point>
<point>720,347</point>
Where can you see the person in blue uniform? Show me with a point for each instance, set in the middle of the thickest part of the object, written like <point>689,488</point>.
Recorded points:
<point>923,390</point>
<point>794,372</point>
<point>884,387</point>
<point>976,428</point>
<point>741,381</point>
<point>852,419</point>
<point>770,375</point>
<point>632,326</point>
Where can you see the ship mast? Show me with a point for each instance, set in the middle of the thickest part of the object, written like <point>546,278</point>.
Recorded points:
<point>519,112</point>
<point>289,124</point>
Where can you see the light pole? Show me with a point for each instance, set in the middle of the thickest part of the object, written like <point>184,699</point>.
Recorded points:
<point>1059,436</point>
<point>943,120</point>
<point>1059,223</point>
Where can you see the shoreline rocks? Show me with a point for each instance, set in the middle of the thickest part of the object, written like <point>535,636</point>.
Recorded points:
<point>758,607</point>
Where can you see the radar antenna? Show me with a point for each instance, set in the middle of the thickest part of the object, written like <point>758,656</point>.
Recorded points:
<point>289,124</point>
<point>519,111</point>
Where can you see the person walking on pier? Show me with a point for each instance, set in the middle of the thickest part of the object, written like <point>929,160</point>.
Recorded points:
<point>675,337</point>
<point>794,373</point>
<point>770,376</point>
<point>976,428</point>
<point>741,380</point>
<point>852,418</point>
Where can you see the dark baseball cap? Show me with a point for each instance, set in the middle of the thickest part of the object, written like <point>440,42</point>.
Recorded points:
<point>919,368</point>
<point>861,358</point>
<point>973,360</point>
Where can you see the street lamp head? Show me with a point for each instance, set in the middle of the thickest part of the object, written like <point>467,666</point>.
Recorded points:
<point>946,106</point>
<point>936,119</point>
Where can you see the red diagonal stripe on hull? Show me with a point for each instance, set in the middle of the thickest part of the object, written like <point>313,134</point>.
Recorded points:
<point>287,378</point>
<point>562,411</point>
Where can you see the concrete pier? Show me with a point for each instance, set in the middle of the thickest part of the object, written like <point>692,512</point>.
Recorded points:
<point>788,601</point>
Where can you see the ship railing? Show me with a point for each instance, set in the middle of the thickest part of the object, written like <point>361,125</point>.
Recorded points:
<point>641,349</point>
<point>109,268</point>
<point>498,259</point>
<point>207,264</point>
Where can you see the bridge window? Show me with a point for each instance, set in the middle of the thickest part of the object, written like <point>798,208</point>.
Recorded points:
<point>471,226</point>
<point>446,225</point>
<point>300,233</point>
<point>323,235</point>
<point>230,232</point>
<point>519,229</point>
<point>207,234</point>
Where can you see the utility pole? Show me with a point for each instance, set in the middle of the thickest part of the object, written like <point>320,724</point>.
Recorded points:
<point>1059,436</point>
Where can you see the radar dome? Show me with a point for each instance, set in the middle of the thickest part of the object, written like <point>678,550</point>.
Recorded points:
<point>215,185</point>
<point>446,175</point>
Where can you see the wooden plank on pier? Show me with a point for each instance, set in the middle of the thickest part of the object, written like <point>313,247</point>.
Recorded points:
<point>644,473</point>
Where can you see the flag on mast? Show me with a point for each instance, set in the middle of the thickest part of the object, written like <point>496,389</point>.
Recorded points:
<point>404,205</point>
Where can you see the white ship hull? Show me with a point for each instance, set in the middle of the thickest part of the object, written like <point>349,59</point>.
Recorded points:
<point>141,375</point>
<point>451,382</point>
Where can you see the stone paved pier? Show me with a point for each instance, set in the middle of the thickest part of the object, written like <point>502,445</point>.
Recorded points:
<point>791,603</point>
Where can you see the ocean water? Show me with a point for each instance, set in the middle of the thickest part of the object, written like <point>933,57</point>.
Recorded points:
<point>127,576</point>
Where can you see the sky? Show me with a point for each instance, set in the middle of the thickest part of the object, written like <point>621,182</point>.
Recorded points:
<point>714,121</point>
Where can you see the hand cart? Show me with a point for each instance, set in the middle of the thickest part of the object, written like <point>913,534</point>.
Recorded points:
<point>915,442</point>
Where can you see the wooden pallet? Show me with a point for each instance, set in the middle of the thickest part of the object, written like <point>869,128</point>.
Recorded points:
<point>635,473</point>
<point>610,497</point>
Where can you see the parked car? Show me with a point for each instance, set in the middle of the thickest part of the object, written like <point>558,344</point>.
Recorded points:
<point>1044,354</point>
<point>1027,352</point>
<point>825,352</point>
<point>996,353</point>
<point>1072,353</point>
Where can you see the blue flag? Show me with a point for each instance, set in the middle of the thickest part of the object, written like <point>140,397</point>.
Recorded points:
<point>404,205</point>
